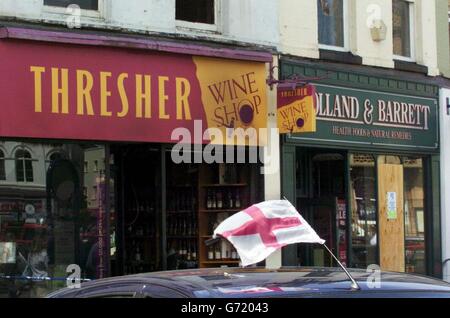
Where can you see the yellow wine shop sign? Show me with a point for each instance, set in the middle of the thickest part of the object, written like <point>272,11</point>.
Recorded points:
<point>297,109</point>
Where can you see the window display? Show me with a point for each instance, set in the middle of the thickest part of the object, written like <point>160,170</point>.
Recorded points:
<point>46,224</point>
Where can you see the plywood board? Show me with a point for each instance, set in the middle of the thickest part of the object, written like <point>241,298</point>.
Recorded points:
<point>391,229</point>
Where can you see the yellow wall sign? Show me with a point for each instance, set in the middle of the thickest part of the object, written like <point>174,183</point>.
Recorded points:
<point>234,96</point>
<point>297,109</point>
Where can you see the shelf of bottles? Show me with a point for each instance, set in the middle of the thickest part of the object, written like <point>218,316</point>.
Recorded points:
<point>220,201</point>
<point>223,198</point>
<point>182,228</point>
<point>141,234</point>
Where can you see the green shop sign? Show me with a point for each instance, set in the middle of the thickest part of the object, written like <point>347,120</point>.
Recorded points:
<point>379,119</point>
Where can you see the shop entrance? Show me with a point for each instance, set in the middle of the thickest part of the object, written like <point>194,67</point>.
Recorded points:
<point>321,200</point>
<point>137,177</point>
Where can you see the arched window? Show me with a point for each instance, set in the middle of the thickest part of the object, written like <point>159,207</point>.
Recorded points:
<point>2,166</point>
<point>24,166</point>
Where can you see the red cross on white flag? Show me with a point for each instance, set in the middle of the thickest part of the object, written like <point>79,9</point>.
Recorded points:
<point>264,228</point>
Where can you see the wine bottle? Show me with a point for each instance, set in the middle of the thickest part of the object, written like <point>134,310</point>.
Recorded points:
<point>194,252</point>
<point>227,252</point>
<point>184,248</point>
<point>209,200</point>
<point>230,200</point>
<point>219,200</point>
<point>210,252</point>
<point>188,252</point>
<point>237,201</point>
<point>137,256</point>
<point>234,254</point>
<point>218,252</point>
<point>214,200</point>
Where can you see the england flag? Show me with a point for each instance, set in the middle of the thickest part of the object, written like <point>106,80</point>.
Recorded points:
<point>264,228</point>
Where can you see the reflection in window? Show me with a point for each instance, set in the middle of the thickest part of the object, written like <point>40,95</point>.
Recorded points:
<point>363,210</point>
<point>24,166</point>
<point>401,15</point>
<point>414,215</point>
<point>2,166</point>
<point>49,226</point>
<point>331,22</point>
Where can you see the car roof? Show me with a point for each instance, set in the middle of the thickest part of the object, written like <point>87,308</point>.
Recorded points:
<point>283,282</point>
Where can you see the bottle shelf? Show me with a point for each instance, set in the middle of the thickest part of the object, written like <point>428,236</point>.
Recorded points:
<point>224,185</point>
<point>221,262</point>
<point>181,212</point>
<point>220,211</point>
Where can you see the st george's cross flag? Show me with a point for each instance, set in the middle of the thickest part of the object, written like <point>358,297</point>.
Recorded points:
<point>264,228</point>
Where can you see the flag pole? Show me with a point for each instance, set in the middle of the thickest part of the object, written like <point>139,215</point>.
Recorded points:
<point>355,285</point>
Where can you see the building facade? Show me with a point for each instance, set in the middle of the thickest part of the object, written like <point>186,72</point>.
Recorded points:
<point>118,87</point>
<point>369,178</point>
<point>99,93</point>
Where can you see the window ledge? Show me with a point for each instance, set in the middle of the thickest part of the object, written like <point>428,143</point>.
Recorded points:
<point>410,67</point>
<point>340,56</point>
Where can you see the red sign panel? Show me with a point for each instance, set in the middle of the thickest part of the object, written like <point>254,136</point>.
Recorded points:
<point>111,94</point>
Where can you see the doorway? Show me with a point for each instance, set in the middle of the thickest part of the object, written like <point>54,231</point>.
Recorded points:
<point>136,172</point>
<point>320,179</point>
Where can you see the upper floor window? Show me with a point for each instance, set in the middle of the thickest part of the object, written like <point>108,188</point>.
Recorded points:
<point>403,28</point>
<point>331,19</point>
<point>83,4</point>
<point>24,166</point>
<point>2,166</point>
<point>196,11</point>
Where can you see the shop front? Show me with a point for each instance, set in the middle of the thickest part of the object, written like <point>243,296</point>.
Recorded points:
<point>89,186</point>
<point>368,179</point>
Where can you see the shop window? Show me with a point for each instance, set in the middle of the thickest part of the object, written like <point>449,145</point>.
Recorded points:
<point>2,166</point>
<point>197,11</point>
<point>414,215</point>
<point>331,23</point>
<point>84,4</point>
<point>403,28</point>
<point>49,226</point>
<point>363,210</point>
<point>24,166</point>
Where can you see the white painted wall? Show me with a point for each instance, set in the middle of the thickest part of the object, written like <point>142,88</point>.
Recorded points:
<point>299,31</point>
<point>445,180</point>
<point>250,21</point>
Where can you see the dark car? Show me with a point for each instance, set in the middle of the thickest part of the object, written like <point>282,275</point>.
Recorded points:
<point>260,282</point>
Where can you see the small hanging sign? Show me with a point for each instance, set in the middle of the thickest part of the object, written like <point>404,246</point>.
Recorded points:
<point>297,109</point>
